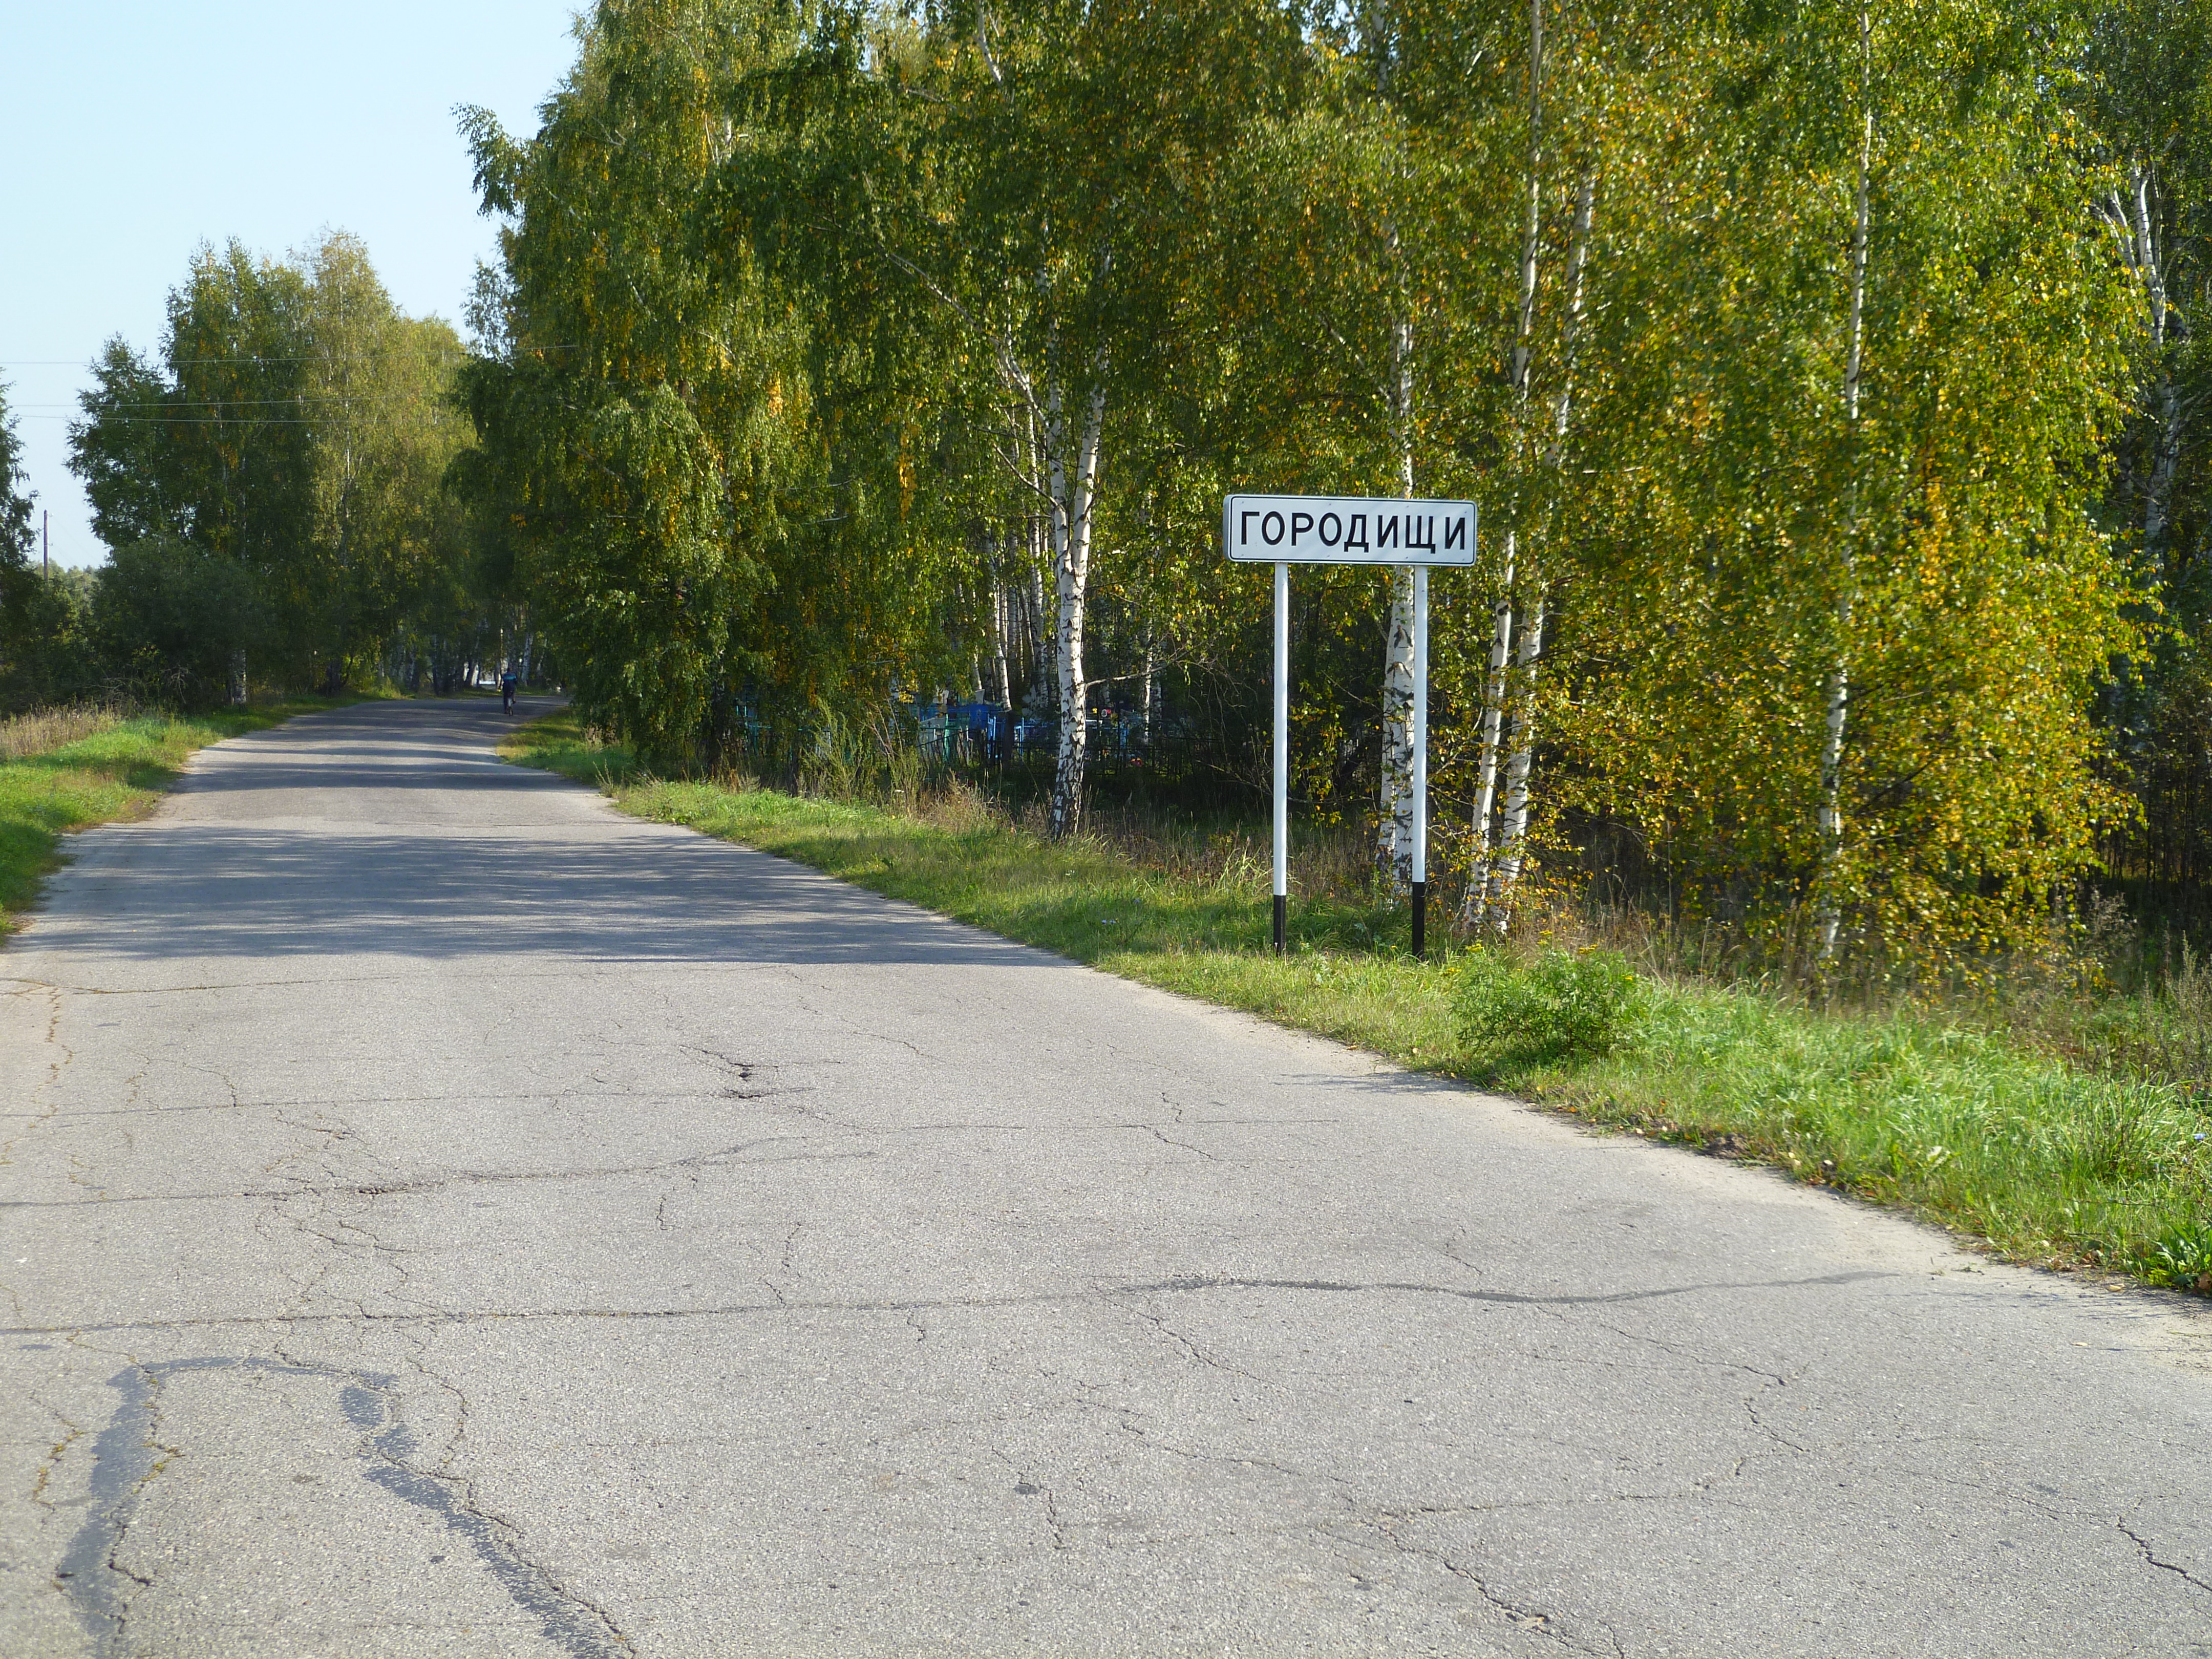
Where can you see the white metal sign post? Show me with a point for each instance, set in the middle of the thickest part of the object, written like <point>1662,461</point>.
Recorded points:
<point>1287,530</point>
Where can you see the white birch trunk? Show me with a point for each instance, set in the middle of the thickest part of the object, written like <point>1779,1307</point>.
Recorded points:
<point>2166,461</point>
<point>1041,676</point>
<point>1483,890</point>
<point>1073,499</point>
<point>1828,910</point>
<point>1394,821</point>
<point>1001,661</point>
<point>2132,214</point>
<point>1513,836</point>
<point>1493,721</point>
<point>1396,834</point>
<point>1524,335</point>
<point>1151,693</point>
<point>1578,259</point>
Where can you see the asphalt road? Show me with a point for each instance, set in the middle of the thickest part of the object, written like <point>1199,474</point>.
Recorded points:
<point>441,1216</point>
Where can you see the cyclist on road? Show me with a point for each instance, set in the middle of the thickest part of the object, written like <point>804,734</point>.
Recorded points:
<point>508,685</point>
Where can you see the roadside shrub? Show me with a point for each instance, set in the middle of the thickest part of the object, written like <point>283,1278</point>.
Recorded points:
<point>1565,1006</point>
<point>2182,1260</point>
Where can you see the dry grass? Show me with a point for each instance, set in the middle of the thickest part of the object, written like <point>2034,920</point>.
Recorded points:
<point>45,730</point>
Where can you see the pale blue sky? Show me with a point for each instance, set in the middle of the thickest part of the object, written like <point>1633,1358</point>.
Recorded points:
<point>131,132</point>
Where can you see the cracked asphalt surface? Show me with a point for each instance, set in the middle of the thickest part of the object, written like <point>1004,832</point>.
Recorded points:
<point>441,1216</point>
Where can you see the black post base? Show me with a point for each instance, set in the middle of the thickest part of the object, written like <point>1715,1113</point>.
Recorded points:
<point>1420,918</point>
<point>1282,920</point>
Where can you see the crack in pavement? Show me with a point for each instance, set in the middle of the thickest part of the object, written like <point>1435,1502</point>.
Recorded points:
<point>55,1068</point>
<point>2142,1546</point>
<point>127,1457</point>
<point>1520,1618</point>
<point>1166,1140</point>
<point>1194,1350</point>
<point>719,1158</point>
<point>624,972</point>
<point>1037,1300</point>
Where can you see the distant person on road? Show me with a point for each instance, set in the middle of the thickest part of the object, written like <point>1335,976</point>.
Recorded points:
<point>507,686</point>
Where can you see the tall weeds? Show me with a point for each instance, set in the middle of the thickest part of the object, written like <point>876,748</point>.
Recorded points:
<point>45,730</point>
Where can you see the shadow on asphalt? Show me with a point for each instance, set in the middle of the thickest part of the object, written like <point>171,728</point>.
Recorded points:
<point>228,882</point>
<point>196,889</point>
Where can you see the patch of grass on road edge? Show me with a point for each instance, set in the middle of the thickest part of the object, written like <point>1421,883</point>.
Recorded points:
<point>116,772</point>
<point>2046,1162</point>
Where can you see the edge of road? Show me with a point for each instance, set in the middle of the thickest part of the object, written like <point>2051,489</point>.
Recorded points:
<point>511,745</point>
<point>118,772</point>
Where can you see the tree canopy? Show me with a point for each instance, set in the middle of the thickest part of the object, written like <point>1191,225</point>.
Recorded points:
<point>1831,377</point>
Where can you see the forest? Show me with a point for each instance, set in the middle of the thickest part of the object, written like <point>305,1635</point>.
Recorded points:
<point>1832,379</point>
<point>272,490</point>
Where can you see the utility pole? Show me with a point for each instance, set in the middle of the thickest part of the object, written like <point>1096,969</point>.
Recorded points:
<point>45,543</point>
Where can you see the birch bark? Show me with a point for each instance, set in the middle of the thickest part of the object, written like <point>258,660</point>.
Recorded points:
<point>1513,838</point>
<point>1395,816</point>
<point>1150,696</point>
<point>2131,212</point>
<point>1397,803</point>
<point>1524,334</point>
<point>1493,720</point>
<point>1828,914</point>
<point>1001,661</point>
<point>1073,499</point>
<point>1578,259</point>
<point>1481,868</point>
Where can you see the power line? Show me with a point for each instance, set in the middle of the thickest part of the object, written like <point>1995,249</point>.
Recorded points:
<point>183,362</point>
<point>191,420</point>
<point>250,403</point>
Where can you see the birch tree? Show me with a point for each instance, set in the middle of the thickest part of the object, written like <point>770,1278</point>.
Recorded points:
<point>641,419</point>
<point>1830,910</point>
<point>1488,882</point>
<point>1780,344</point>
<point>2149,84</point>
<point>16,577</point>
<point>1383,44</point>
<point>1984,599</point>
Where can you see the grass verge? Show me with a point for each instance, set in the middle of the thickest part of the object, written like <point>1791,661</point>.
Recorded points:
<point>2043,1161</point>
<point>72,768</point>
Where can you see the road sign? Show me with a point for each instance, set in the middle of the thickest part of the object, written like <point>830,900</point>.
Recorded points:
<point>1347,530</point>
<point>1287,530</point>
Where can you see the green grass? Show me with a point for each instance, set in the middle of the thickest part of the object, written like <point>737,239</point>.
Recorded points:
<point>2046,1162</point>
<point>118,772</point>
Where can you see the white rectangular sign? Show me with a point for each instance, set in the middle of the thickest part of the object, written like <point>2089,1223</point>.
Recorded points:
<point>1347,530</point>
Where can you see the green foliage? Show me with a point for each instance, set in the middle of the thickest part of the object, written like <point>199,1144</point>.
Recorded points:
<point>172,616</point>
<point>53,653</point>
<point>2048,1163</point>
<point>46,652</point>
<point>798,307</point>
<point>1565,1006</point>
<point>272,489</point>
<point>15,502</point>
<point>2149,90</point>
<point>636,405</point>
<point>787,297</point>
<point>2182,1259</point>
